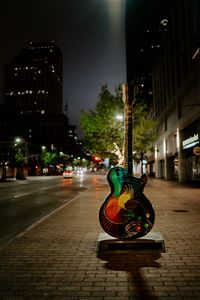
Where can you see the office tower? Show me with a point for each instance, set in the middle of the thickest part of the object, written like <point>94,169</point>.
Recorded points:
<point>145,23</point>
<point>33,80</point>
<point>33,96</point>
<point>163,51</point>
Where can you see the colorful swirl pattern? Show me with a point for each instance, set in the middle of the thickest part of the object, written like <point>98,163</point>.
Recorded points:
<point>126,212</point>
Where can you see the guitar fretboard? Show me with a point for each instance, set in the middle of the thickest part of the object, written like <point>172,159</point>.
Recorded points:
<point>128,111</point>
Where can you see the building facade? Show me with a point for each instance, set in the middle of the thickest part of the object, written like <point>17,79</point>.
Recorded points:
<point>163,52</point>
<point>144,29</point>
<point>176,96</point>
<point>33,80</point>
<point>33,97</point>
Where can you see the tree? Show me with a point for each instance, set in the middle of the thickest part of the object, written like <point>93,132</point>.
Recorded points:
<point>144,130</point>
<point>104,135</point>
<point>100,126</point>
<point>54,161</point>
<point>12,155</point>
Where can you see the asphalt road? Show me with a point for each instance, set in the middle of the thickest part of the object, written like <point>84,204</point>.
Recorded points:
<point>22,203</point>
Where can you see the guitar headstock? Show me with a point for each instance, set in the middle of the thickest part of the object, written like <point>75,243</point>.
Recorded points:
<point>130,91</point>
<point>125,96</point>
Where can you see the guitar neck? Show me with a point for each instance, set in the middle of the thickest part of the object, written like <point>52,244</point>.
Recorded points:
<point>128,111</point>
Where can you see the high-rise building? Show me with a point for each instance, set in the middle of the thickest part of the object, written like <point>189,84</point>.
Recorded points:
<point>176,95</point>
<point>33,80</point>
<point>163,51</point>
<point>33,96</point>
<point>145,23</point>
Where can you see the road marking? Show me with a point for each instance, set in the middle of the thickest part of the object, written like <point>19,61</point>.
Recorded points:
<point>41,220</point>
<point>21,195</point>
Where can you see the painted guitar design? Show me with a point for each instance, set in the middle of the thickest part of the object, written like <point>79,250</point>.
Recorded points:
<point>126,212</point>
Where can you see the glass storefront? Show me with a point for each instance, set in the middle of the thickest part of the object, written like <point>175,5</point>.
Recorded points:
<point>193,167</point>
<point>191,148</point>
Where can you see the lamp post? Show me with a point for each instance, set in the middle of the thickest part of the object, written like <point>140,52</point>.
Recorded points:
<point>21,158</point>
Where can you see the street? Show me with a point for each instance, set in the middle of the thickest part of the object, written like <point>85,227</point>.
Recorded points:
<point>24,202</point>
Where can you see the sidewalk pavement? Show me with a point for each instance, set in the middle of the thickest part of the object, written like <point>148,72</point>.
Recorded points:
<point>58,258</point>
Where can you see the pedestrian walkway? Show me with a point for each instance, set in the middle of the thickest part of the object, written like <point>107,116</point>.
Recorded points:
<point>59,258</point>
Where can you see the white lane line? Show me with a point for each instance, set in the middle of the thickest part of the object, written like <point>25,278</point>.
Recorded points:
<point>41,220</point>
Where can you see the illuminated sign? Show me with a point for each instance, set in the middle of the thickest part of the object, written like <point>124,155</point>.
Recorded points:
<point>191,141</point>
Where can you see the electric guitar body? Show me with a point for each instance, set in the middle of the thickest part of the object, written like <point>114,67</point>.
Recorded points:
<point>126,213</point>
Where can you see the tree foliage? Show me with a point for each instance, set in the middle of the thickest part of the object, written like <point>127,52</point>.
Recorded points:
<point>104,134</point>
<point>144,130</point>
<point>100,126</point>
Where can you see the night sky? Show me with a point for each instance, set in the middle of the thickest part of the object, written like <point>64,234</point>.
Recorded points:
<point>90,34</point>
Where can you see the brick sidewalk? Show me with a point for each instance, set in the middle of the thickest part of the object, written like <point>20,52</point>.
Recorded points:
<point>58,258</point>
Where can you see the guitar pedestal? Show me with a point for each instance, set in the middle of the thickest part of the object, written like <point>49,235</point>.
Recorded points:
<point>153,241</point>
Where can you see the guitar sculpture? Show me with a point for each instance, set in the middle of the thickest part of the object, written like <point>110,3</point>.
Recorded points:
<point>126,213</point>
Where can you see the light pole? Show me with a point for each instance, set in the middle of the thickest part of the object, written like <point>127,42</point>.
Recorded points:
<point>22,170</point>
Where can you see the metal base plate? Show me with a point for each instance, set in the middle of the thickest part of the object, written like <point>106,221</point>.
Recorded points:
<point>153,241</point>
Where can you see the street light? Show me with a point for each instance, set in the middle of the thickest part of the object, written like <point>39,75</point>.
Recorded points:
<point>119,117</point>
<point>18,141</point>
